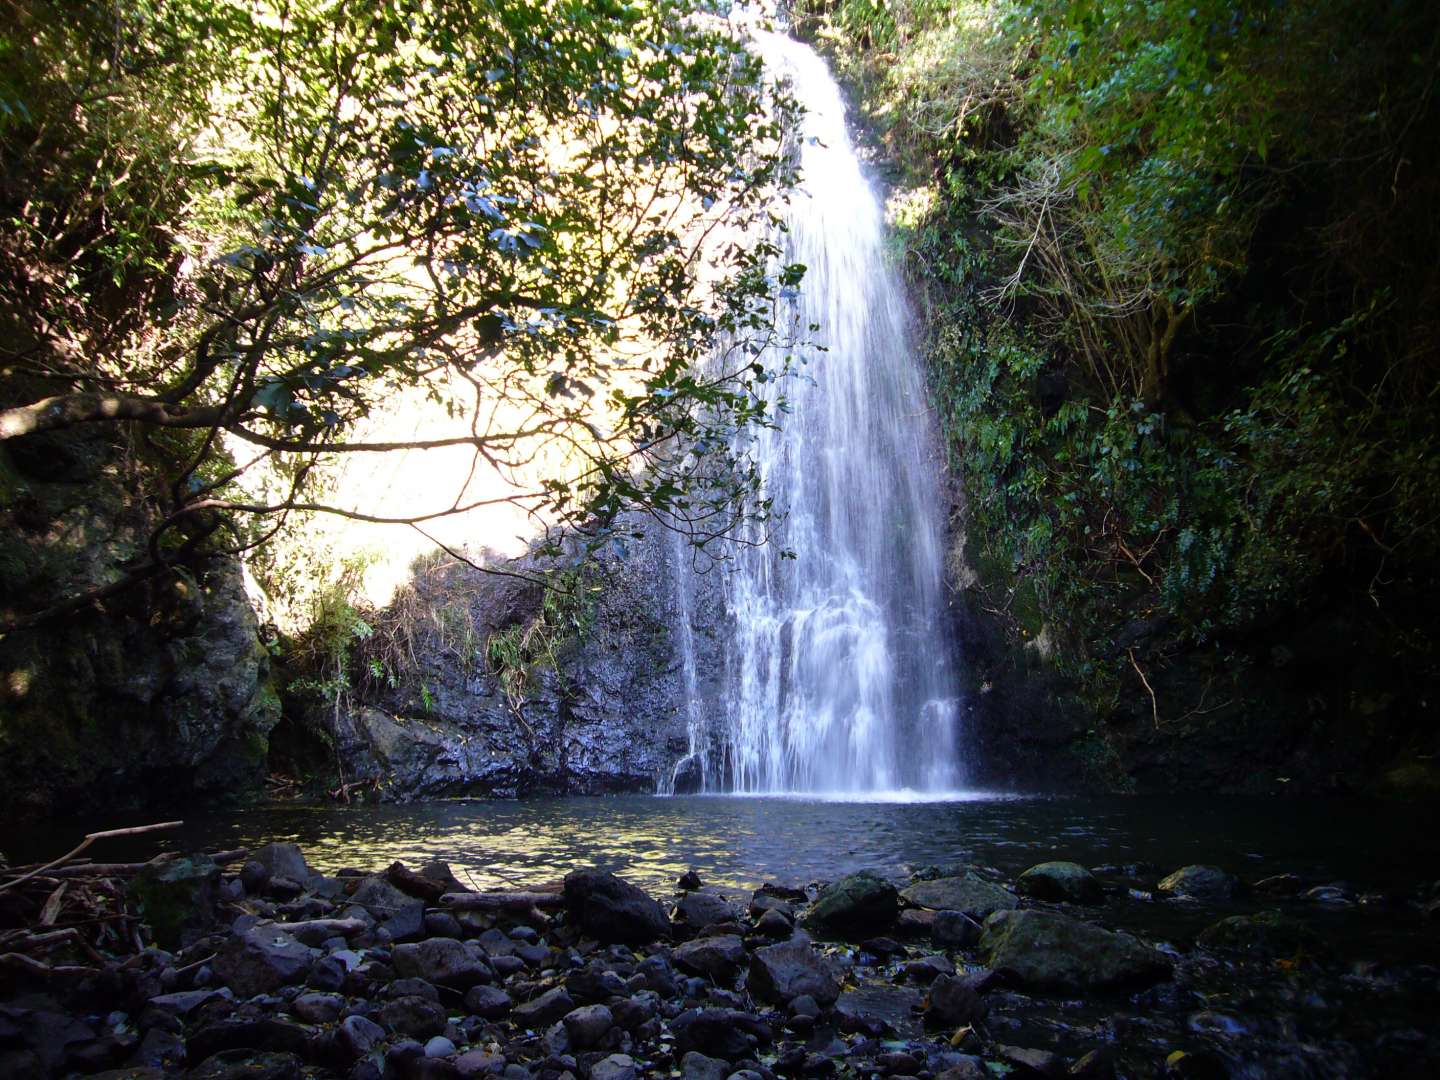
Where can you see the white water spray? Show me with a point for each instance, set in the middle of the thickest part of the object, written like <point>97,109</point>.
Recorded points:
<point>838,673</point>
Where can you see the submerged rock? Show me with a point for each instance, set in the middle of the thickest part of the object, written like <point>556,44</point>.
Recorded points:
<point>1044,950</point>
<point>1198,883</point>
<point>862,901</point>
<point>1060,881</point>
<point>1266,933</point>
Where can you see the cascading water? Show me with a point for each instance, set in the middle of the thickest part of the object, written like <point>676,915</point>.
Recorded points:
<point>838,673</point>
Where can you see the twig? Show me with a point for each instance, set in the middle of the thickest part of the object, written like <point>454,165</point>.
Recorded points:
<point>1154,705</point>
<point>90,839</point>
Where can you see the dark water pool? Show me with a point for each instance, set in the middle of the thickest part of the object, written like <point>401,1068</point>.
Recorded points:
<point>742,841</point>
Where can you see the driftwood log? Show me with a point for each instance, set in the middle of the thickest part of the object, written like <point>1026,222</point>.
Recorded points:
<point>526,905</point>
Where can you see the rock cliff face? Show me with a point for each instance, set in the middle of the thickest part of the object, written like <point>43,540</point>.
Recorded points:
<point>606,717</point>
<point>162,695</point>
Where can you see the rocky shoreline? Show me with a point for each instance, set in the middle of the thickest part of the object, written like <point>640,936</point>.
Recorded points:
<point>253,965</point>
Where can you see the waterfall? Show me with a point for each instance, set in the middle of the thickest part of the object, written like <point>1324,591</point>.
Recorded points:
<point>837,664</point>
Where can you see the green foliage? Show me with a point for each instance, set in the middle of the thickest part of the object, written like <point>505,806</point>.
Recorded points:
<point>1178,262</point>
<point>253,226</point>
<point>521,654</point>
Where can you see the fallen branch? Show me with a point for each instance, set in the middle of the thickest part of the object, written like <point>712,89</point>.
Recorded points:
<point>36,967</point>
<point>413,884</point>
<point>528,906</point>
<point>90,839</point>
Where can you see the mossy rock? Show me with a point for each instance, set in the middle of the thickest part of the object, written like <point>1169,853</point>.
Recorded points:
<point>863,902</point>
<point>1047,951</point>
<point>1267,933</point>
<point>1060,881</point>
<point>969,893</point>
<point>177,898</point>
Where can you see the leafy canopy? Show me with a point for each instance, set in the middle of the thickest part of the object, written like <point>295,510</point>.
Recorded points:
<point>253,224</point>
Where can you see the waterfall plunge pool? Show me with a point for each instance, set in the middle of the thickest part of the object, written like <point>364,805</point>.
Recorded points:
<point>738,841</point>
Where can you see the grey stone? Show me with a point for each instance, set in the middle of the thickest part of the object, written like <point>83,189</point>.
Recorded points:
<point>696,1066</point>
<point>877,1010</point>
<point>401,915</point>
<point>587,1025</point>
<point>439,1047</point>
<point>719,958</point>
<point>281,860</point>
<point>415,1016</point>
<point>248,1064</point>
<point>262,959</point>
<point>318,1008</point>
<point>442,961</point>
<point>543,1010</point>
<point>773,924</point>
<point>781,972</point>
<point>700,909</point>
<point>951,1002</point>
<point>358,1035</point>
<point>615,1067</point>
<point>475,1063</point>
<point>954,929</point>
<point>488,1002</point>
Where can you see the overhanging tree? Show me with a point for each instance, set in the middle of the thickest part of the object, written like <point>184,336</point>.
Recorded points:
<point>249,226</point>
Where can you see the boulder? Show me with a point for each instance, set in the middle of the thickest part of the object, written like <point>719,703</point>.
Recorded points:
<point>781,972</point>
<point>262,959</point>
<point>696,1066</point>
<point>543,1010</point>
<point>719,958</point>
<point>877,1010</point>
<point>1025,1062</point>
<point>1047,951</point>
<point>1060,881</point>
<point>615,1067</point>
<point>281,860</point>
<point>1198,883</point>
<point>952,1002</point>
<point>863,901</point>
<point>401,915</point>
<point>773,924</point>
<point>721,1033</point>
<point>417,1017</point>
<point>248,1065</point>
<point>474,1063</point>
<point>488,1002</point>
<point>612,910</point>
<point>442,961</point>
<point>967,893</point>
<point>587,1025</point>
<point>954,929</point>
<point>699,910</point>
<point>177,898</point>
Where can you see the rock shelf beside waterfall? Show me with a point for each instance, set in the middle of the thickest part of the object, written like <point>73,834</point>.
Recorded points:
<point>274,970</point>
